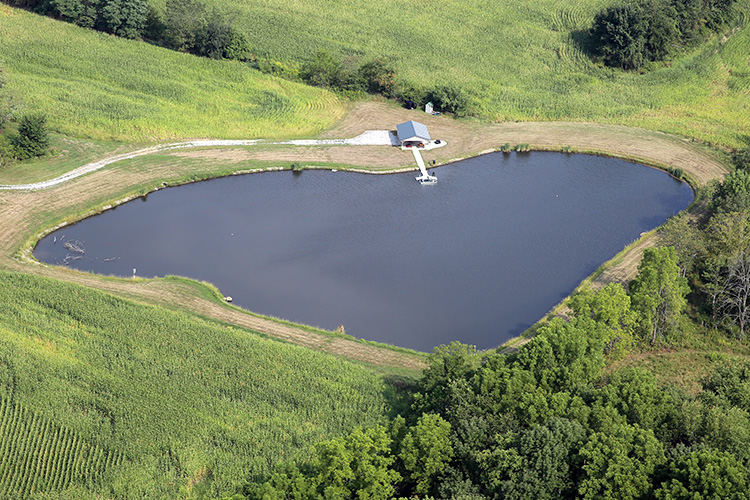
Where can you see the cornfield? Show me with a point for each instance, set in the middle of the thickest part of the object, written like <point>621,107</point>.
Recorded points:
<point>174,394</point>
<point>37,456</point>
<point>96,86</point>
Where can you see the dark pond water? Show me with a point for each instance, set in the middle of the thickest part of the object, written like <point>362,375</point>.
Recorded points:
<point>478,257</point>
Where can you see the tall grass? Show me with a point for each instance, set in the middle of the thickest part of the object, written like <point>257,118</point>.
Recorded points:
<point>518,60</point>
<point>178,397</point>
<point>93,85</point>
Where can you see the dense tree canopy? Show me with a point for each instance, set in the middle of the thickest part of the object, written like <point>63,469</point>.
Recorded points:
<point>631,34</point>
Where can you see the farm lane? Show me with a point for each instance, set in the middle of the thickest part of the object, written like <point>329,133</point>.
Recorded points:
<point>367,138</point>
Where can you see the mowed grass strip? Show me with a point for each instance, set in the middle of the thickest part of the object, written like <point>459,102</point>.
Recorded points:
<point>180,397</point>
<point>97,86</point>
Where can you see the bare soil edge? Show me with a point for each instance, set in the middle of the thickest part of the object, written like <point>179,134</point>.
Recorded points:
<point>21,212</point>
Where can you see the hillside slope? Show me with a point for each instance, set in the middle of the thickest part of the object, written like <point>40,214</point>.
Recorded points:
<point>175,398</point>
<point>518,60</point>
<point>97,86</point>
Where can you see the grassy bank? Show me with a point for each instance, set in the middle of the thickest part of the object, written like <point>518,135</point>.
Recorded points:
<point>96,86</point>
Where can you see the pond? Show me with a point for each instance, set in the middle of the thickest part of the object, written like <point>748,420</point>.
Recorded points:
<point>478,257</point>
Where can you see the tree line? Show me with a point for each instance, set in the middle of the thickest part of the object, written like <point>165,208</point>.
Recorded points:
<point>631,34</point>
<point>189,26</point>
<point>185,25</point>
<point>551,421</point>
<point>379,76</point>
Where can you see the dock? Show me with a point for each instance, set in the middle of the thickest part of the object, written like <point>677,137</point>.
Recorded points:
<point>425,178</point>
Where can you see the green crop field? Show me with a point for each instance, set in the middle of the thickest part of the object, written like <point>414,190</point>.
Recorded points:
<point>96,86</point>
<point>517,60</point>
<point>134,401</point>
<point>38,456</point>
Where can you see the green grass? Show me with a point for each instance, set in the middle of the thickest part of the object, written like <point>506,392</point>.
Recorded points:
<point>181,399</point>
<point>517,60</point>
<point>96,86</point>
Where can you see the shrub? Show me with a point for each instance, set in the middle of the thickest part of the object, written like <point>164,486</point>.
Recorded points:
<point>379,76</point>
<point>450,99</point>
<point>677,173</point>
<point>7,151</point>
<point>506,148</point>
<point>33,136</point>
<point>741,159</point>
<point>322,71</point>
<point>523,148</point>
<point>278,68</point>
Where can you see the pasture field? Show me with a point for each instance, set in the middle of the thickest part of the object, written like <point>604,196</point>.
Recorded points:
<point>97,86</point>
<point>172,399</point>
<point>517,60</point>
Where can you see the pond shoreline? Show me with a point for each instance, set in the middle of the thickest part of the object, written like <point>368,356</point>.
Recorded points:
<point>24,221</point>
<point>187,232</point>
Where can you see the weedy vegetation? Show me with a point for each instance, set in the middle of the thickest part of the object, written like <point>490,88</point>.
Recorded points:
<point>174,399</point>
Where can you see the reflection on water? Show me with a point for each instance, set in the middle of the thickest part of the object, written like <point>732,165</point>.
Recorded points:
<point>478,257</point>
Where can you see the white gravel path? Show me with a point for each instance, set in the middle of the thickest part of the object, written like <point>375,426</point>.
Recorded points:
<point>367,138</point>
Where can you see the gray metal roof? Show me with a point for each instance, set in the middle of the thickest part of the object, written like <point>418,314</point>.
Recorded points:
<point>412,131</point>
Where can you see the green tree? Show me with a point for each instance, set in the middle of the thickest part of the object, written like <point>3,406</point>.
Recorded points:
<point>741,159</point>
<point>635,395</point>
<point>446,364</point>
<point>125,18</point>
<point>620,463</point>
<point>323,70</point>
<point>684,235</point>
<point>658,292</point>
<point>550,461</point>
<point>564,355</point>
<point>611,307</point>
<point>357,466</point>
<point>450,99</point>
<point>619,36</point>
<point>426,451</point>
<point>218,38</point>
<point>354,466</point>
<point>183,19</point>
<point>380,76</point>
<point>705,475</point>
<point>730,385</point>
<point>733,194</point>
<point>33,136</point>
